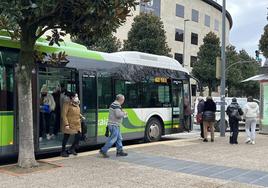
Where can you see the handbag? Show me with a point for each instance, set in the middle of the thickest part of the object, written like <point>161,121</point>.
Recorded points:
<point>84,130</point>
<point>107,131</point>
<point>199,118</point>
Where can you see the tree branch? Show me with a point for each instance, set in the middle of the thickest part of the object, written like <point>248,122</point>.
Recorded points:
<point>42,20</point>
<point>45,30</point>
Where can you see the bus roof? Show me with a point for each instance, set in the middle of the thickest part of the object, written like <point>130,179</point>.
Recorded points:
<point>77,50</point>
<point>150,60</point>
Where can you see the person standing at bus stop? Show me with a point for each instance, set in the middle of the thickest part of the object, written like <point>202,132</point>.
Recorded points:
<point>116,115</point>
<point>200,110</point>
<point>251,112</point>
<point>234,113</point>
<point>209,118</point>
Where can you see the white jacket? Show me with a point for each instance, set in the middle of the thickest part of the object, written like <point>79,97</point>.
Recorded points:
<point>251,110</point>
<point>49,100</point>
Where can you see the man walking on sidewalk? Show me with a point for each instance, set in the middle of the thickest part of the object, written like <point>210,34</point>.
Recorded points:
<point>116,114</point>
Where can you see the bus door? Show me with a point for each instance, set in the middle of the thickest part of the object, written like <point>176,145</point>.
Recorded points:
<point>7,110</point>
<point>177,105</point>
<point>88,96</point>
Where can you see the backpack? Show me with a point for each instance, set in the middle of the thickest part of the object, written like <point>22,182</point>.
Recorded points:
<point>235,114</point>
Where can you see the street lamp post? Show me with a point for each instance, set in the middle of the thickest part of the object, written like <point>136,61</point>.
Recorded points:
<point>223,79</point>
<point>184,42</point>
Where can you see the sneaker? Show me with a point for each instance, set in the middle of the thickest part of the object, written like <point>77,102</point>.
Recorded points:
<point>104,155</point>
<point>205,140</point>
<point>253,142</point>
<point>53,136</point>
<point>212,140</point>
<point>121,154</point>
<point>247,141</point>
<point>40,139</point>
<point>48,137</point>
<point>64,154</point>
<point>72,151</point>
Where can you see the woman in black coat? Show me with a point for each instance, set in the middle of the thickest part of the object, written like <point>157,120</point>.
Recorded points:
<point>209,118</point>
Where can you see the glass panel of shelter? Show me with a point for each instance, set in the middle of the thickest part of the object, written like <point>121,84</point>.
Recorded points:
<point>53,85</point>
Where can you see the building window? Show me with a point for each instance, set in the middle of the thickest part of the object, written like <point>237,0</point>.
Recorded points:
<point>207,20</point>
<point>180,11</point>
<point>193,60</point>
<point>216,25</point>
<point>194,38</point>
<point>179,35</point>
<point>195,15</point>
<point>179,58</point>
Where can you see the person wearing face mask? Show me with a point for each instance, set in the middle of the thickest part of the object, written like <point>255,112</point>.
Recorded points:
<point>47,105</point>
<point>71,124</point>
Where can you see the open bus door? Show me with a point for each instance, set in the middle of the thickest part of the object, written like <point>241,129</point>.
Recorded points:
<point>177,105</point>
<point>88,95</point>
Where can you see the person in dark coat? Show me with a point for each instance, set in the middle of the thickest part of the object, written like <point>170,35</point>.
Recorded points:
<point>234,113</point>
<point>200,110</point>
<point>209,118</point>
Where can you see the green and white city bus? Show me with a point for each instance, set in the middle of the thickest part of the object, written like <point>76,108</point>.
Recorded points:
<point>155,88</point>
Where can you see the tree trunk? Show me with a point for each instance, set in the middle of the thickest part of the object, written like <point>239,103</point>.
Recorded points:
<point>24,76</point>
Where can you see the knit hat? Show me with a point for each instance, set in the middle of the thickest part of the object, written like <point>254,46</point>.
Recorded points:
<point>44,89</point>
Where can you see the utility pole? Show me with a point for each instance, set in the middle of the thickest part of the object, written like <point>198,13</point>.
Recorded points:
<point>223,79</point>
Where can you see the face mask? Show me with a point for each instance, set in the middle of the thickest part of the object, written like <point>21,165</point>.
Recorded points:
<point>76,100</point>
<point>44,94</point>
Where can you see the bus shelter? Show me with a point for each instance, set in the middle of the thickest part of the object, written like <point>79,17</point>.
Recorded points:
<point>263,80</point>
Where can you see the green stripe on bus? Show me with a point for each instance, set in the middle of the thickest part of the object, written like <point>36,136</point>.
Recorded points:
<point>74,49</point>
<point>133,118</point>
<point>6,113</point>
<point>6,129</point>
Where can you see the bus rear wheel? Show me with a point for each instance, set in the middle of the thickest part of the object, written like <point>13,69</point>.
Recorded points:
<point>153,130</point>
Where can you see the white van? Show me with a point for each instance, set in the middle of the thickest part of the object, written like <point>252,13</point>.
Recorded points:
<point>228,101</point>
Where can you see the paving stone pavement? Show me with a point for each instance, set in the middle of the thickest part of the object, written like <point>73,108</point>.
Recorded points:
<point>186,162</point>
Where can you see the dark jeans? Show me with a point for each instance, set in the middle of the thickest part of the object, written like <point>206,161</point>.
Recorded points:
<point>44,124</point>
<point>202,130</point>
<point>234,129</point>
<point>74,144</point>
<point>57,116</point>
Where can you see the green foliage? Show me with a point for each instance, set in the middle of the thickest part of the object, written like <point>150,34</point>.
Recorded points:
<point>93,18</point>
<point>239,72</point>
<point>248,70</point>
<point>108,43</point>
<point>147,35</point>
<point>205,68</point>
<point>263,44</point>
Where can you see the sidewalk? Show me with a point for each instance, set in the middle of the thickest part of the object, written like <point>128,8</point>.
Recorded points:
<point>175,163</point>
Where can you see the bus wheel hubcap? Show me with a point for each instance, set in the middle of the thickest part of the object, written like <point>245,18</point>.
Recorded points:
<point>154,131</point>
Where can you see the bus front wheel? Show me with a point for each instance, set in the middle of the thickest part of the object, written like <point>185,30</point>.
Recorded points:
<point>153,130</point>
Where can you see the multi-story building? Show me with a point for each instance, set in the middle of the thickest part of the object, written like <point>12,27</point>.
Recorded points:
<point>186,23</point>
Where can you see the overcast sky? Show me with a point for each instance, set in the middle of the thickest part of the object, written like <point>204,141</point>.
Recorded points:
<point>249,17</point>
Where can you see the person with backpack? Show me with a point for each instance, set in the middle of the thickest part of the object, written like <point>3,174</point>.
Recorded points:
<point>234,113</point>
<point>251,112</point>
<point>209,118</point>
